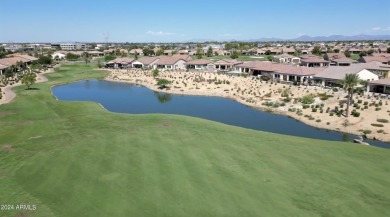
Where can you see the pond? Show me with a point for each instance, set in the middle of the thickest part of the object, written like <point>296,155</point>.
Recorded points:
<point>133,99</point>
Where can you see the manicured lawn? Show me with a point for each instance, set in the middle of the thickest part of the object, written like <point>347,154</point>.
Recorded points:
<point>76,159</point>
<point>355,56</point>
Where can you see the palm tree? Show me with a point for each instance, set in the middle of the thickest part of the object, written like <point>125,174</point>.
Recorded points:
<point>349,82</point>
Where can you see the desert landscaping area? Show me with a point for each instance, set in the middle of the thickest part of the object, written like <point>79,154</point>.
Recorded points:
<point>324,107</point>
<point>195,109</point>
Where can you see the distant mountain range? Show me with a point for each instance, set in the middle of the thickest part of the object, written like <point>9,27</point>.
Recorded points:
<point>308,38</point>
<point>329,38</point>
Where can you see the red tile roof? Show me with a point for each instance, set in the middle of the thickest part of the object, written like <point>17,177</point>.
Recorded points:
<point>3,66</point>
<point>281,68</point>
<point>385,81</point>
<point>367,59</point>
<point>171,60</point>
<point>147,60</point>
<point>229,62</point>
<point>198,62</point>
<point>122,60</point>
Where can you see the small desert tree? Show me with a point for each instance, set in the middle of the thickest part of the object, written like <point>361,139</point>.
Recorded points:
<point>29,79</point>
<point>159,52</point>
<point>86,57</point>
<point>163,83</point>
<point>155,73</point>
<point>316,50</point>
<point>349,82</point>
<point>234,55</point>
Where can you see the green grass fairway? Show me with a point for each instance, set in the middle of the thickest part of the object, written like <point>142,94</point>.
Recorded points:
<point>76,159</point>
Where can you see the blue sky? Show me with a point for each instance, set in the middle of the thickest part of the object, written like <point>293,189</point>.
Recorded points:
<point>174,20</point>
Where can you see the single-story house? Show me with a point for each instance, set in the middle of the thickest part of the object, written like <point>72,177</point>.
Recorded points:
<point>183,52</point>
<point>332,75</point>
<point>288,50</point>
<point>382,50</point>
<point>222,52</point>
<point>339,59</point>
<point>95,53</point>
<point>176,61</point>
<point>226,64</point>
<point>355,50</point>
<point>377,68</point>
<point>295,73</point>
<point>168,52</point>
<point>26,58</point>
<point>378,58</point>
<point>3,68</point>
<point>305,52</point>
<point>198,64</point>
<point>138,51</point>
<point>313,61</point>
<point>276,51</point>
<point>379,86</point>
<point>287,58</point>
<point>260,51</point>
<point>278,71</point>
<point>120,63</point>
<point>343,62</point>
<point>109,51</point>
<point>192,53</point>
<point>16,60</point>
<point>145,62</point>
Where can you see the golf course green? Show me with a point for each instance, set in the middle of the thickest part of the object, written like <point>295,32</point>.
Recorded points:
<point>77,159</point>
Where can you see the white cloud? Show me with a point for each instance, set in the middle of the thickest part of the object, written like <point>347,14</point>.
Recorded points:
<point>159,33</point>
<point>380,29</point>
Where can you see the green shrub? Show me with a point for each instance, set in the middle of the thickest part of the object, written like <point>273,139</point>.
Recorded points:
<point>377,109</point>
<point>356,114</point>
<point>367,131</point>
<point>377,125</point>
<point>381,120</point>
<point>308,99</point>
<point>318,120</point>
<point>314,109</point>
<point>335,89</point>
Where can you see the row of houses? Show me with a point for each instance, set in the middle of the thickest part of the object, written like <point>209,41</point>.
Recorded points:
<point>176,61</point>
<point>19,60</point>
<point>62,54</point>
<point>326,75</point>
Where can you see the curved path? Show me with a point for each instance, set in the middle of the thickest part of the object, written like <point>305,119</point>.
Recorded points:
<point>9,95</point>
